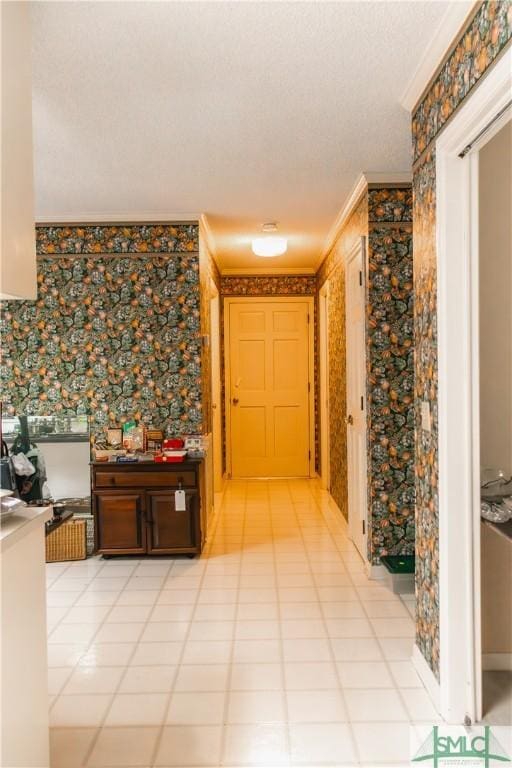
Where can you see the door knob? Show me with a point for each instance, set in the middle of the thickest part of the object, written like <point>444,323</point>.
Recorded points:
<point>349,419</point>
<point>235,401</point>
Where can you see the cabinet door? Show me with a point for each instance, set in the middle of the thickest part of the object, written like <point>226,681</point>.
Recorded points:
<point>170,530</point>
<point>120,527</point>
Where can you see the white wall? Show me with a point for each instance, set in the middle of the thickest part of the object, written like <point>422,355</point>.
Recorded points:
<point>17,255</point>
<point>496,301</point>
<point>67,468</point>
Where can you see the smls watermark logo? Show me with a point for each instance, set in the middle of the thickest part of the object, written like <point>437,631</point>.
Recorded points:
<point>479,747</point>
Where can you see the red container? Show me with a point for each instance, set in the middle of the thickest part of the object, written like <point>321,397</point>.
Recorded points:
<point>173,444</point>
<point>176,459</point>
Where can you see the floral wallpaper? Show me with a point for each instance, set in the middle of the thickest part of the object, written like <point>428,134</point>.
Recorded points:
<point>390,204</point>
<point>111,335</point>
<point>268,285</point>
<point>425,328</point>
<point>483,39</point>
<point>486,35</point>
<point>384,215</point>
<point>390,386</point>
<point>356,226</point>
<point>208,272</point>
<point>337,389</point>
<point>333,269</point>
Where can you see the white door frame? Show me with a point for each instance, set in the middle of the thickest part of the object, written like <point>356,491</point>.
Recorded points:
<point>309,300</point>
<point>458,404</point>
<point>358,249</point>
<point>216,388</point>
<point>323,353</point>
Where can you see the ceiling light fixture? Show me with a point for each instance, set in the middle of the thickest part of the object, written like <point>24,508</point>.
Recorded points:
<point>269,245</point>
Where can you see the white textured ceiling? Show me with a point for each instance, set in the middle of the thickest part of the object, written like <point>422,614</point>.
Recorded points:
<point>246,111</point>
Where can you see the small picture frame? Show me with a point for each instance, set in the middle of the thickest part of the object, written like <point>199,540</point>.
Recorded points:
<point>193,443</point>
<point>115,437</point>
<point>154,439</point>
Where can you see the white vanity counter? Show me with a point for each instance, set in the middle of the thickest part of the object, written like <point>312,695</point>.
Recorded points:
<point>24,665</point>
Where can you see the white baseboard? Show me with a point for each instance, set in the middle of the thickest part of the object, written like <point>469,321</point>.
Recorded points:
<point>427,677</point>
<point>375,572</point>
<point>497,662</point>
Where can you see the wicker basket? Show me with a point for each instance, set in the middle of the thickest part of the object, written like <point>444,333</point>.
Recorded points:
<point>67,542</point>
<point>89,522</point>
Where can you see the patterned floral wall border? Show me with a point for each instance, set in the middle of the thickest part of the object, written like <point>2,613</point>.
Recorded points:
<point>111,335</point>
<point>268,285</point>
<point>484,38</point>
<point>117,238</point>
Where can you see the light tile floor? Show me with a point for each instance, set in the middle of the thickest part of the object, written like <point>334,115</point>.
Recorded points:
<point>271,649</point>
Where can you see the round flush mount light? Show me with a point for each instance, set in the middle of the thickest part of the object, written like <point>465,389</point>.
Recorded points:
<point>269,245</point>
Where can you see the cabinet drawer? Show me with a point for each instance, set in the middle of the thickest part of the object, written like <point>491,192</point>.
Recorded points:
<point>134,479</point>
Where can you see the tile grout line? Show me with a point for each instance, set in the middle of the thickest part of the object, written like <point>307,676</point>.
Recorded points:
<point>284,692</point>
<point>90,642</point>
<point>355,746</point>
<point>94,740</point>
<point>227,700</point>
<point>158,740</point>
<point>384,657</point>
<point>251,543</point>
<point>333,661</point>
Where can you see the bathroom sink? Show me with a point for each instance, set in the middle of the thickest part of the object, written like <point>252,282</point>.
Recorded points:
<point>496,492</point>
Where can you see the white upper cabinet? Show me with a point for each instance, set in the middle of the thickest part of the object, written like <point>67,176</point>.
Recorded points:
<point>18,277</point>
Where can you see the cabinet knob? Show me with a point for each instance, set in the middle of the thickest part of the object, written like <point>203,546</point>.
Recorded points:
<point>235,401</point>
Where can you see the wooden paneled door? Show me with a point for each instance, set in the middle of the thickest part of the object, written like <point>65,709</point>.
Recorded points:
<point>356,397</point>
<point>269,383</point>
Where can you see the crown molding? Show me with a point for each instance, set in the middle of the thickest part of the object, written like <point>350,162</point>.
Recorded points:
<point>206,232</point>
<point>352,200</point>
<point>388,179</point>
<point>120,217</point>
<point>452,22</point>
<point>364,180</point>
<point>264,271</point>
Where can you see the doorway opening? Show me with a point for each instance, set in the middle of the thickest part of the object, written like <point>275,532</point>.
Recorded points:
<point>495,358</point>
<point>269,361</point>
<point>461,339</point>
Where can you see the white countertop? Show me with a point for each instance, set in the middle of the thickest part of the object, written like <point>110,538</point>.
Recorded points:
<point>19,525</point>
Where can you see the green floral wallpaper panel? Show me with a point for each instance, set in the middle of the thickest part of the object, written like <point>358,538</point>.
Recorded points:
<point>111,335</point>
<point>390,389</point>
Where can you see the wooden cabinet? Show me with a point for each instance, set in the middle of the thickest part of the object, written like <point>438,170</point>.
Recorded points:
<point>119,522</point>
<point>135,508</point>
<point>170,529</point>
